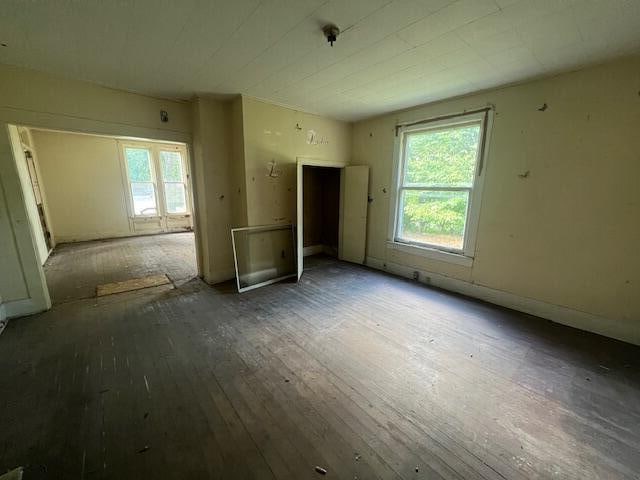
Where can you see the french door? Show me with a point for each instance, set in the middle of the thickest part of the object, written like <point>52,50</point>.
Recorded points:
<point>158,186</point>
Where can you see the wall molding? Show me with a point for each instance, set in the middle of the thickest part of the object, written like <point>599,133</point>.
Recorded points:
<point>609,327</point>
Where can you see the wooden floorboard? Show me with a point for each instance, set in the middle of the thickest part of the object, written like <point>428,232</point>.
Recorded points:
<point>74,270</point>
<point>366,375</point>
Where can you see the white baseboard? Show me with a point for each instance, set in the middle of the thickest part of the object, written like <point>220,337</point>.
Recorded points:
<point>608,327</point>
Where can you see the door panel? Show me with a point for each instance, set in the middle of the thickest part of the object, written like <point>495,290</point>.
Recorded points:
<point>142,181</point>
<point>175,189</point>
<point>299,221</point>
<point>354,213</point>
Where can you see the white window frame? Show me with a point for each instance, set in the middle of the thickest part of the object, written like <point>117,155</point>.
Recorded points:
<point>465,255</point>
<point>185,178</point>
<point>154,177</point>
<point>156,173</point>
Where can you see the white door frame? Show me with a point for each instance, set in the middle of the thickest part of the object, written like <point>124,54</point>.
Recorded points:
<point>310,162</point>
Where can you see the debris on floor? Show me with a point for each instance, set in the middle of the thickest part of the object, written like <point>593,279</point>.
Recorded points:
<point>321,470</point>
<point>131,285</point>
<point>143,449</point>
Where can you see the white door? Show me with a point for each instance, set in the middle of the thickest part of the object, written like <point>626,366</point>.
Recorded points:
<point>355,194</point>
<point>299,221</point>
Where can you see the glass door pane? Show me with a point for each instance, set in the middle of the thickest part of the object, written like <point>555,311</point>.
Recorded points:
<point>175,197</point>
<point>173,178</point>
<point>143,189</point>
<point>144,198</point>
<point>171,163</point>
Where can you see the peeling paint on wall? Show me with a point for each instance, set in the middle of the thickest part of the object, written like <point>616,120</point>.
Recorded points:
<point>314,139</point>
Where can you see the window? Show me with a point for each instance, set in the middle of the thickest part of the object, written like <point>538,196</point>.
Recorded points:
<point>173,177</point>
<point>438,190</point>
<point>158,180</point>
<point>141,178</point>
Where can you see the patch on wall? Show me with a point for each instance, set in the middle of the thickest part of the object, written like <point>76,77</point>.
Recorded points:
<point>272,171</point>
<point>314,139</point>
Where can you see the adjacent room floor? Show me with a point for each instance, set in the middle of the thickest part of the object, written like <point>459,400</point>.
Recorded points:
<point>360,373</point>
<point>74,270</point>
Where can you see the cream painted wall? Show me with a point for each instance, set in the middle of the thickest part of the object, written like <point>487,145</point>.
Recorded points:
<point>281,135</point>
<point>274,133</point>
<point>84,185</point>
<point>41,100</point>
<point>567,234</point>
<point>213,156</point>
<point>238,173</point>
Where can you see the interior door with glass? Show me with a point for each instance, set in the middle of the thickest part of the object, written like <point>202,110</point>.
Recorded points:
<point>158,184</point>
<point>175,186</point>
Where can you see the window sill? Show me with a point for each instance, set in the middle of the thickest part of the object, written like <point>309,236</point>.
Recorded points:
<point>432,253</point>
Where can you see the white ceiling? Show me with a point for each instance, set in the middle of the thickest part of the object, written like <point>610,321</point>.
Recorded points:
<point>391,54</point>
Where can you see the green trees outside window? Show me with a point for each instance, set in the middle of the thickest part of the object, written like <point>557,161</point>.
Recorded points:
<point>438,168</point>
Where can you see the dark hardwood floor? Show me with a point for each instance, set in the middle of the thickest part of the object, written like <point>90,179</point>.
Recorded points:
<point>365,375</point>
<point>75,269</point>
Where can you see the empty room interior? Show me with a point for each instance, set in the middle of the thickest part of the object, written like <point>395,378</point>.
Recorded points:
<point>304,239</point>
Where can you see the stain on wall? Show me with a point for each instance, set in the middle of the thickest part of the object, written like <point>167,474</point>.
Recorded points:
<point>277,134</point>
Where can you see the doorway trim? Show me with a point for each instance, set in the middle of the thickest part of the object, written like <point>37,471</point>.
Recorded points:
<point>302,162</point>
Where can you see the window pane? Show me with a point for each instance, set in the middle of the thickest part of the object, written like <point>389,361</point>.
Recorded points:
<point>433,217</point>
<point>139,164</point>
<point>442,157</point>
<point>175,197</point>
<point>171,166</point>
<point>144,199</point>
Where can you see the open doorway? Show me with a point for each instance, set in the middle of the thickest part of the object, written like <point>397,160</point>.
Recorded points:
<point>321,212</point>
<point>107,211</point>
<point>330,193</point>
